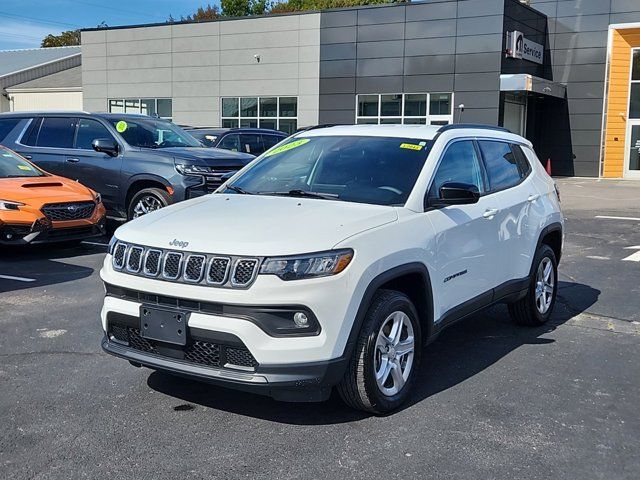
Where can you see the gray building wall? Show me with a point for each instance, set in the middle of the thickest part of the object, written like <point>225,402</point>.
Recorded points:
<point>428,47</point>
<point>578,43</point>
<point>33,73</point>
<point>196,64</point>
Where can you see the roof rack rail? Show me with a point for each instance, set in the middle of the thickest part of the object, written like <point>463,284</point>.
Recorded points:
<point>478,126</point>
<point>315,127</point>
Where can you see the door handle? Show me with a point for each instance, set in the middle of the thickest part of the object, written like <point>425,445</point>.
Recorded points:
<point>72,160</point>
<point>533,197</point>
<point>490,213</point>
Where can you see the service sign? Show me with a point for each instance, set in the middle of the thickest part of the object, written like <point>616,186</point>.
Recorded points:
<point>522,48</point>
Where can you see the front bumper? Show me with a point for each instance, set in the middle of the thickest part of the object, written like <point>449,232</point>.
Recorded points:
<point>311,382</point>
<point>38,233</point>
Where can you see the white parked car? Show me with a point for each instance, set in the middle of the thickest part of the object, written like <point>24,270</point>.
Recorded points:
<point>334,258</point>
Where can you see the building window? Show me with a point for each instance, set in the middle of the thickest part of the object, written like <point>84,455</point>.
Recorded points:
<point>277,113</point>
<point>634,97</point>
<point>407,108</point>
<point>155,107</point>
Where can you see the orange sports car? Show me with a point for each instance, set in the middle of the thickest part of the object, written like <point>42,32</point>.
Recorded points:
<point>37,207</point>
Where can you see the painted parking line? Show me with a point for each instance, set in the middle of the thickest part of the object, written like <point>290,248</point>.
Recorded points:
<point>634,257</point>
<point>96,243</point>
<point>18,279</point>
<point>608,217</point>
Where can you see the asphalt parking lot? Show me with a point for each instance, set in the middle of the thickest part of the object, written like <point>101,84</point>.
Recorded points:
<point>493,400</point>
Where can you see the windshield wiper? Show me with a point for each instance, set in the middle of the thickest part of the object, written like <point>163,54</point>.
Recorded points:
<point>239,190</point>
<point>302,193</point>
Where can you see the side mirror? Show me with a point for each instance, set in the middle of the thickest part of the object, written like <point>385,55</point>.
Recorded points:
<point>453,193</point>
<point>106,145</point>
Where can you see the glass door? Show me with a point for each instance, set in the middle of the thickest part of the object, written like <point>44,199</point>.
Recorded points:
<point>632,151</point>
<point>515,113</point>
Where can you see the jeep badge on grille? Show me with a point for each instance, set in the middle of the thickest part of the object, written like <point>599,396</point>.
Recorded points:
<point>178,243</point>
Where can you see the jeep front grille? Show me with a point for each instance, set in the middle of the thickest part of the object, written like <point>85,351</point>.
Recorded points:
<point>185,267</point>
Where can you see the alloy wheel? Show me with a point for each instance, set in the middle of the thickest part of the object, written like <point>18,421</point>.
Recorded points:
<point>146,204</point>
<point>545,283</point>
<point>393,357</point>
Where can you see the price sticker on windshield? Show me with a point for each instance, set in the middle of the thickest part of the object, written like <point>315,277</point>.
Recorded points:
<point>411,146</point>
<point>288,146</point>
<point>24,167</point>
<point>121,126</point>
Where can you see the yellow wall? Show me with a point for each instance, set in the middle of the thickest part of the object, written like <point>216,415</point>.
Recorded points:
<point>618,100</point>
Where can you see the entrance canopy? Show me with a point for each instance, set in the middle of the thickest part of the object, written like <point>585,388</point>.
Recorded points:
<point>523,82</point>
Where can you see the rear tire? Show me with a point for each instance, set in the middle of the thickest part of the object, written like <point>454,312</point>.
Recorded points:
<point>147,200</point>
<point>535,308</point>
<point>383,365</point>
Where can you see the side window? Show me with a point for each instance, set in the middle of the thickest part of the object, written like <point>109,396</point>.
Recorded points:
<point>230,142</point>
<point>251,144</point>
<point>57,132</point>
<point>502,168</point>
<point>459,164</point>
<point>6,125</point>
<point>88,131</point>
<point>521,160</point>
<point>30,137</point>
<point>270,140</point>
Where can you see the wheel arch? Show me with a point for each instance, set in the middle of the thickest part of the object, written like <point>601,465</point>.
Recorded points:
<point>551,235</point>
<point>413,280</point>
<point>140,182</point>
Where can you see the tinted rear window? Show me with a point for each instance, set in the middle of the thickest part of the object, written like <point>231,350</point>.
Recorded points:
<point>6,125</point>
<point>57,132</point>
<point>502,168</point>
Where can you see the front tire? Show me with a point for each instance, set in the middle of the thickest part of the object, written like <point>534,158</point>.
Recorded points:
<point>535,308</point>
<point>382,368</point>
<point>147,200</point>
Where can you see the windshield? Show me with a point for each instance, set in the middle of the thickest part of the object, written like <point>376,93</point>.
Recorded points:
<point>13,166</point>
<point>377,170</point>
<point>152,133</point>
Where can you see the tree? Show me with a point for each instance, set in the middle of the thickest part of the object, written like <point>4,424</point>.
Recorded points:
<point>65,39</point>
<point>243,8</point>
<point>203,14</point>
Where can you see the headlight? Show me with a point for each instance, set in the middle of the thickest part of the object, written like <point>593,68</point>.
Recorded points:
<point>314,265</point>
<point>8,205</point>
<point>112,244</point>
<point>192,169</point>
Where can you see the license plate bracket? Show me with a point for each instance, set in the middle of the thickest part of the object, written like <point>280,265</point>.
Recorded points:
<point>163,324</point>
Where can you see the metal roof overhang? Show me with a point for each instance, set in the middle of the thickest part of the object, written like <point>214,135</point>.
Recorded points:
<point>523,82</point>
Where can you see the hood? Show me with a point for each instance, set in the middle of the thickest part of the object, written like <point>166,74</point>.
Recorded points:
<point>255,225</point>
<point>210,157</point>
<point>49,189</point>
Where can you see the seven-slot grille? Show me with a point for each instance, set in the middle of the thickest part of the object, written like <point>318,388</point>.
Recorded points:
<point>194,268</point>
<point>59,212</point>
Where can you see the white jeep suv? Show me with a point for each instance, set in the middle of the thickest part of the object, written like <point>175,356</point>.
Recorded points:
<point>333,258</point>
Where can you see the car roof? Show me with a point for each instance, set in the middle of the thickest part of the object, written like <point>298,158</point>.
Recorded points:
<point>72,113</point>
<point>427,132</point>
<point>424,132</point>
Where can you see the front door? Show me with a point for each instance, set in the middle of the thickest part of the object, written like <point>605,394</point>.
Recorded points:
<point>632,153</point>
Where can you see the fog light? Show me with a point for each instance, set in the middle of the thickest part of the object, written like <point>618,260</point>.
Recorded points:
<point>300,319</point>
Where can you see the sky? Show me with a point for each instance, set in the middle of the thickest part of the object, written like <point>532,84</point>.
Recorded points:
<point>24,23</point>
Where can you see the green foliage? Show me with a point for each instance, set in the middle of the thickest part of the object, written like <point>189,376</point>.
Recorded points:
<point>202,14</point>
<point>243,8</point>
<point>65,39</point>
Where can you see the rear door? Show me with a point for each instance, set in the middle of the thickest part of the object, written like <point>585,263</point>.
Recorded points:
<point>467,235</point>
<point>95,170</point>
<point>48,141</point>
<point>251,143</point>
<point>512,187</point>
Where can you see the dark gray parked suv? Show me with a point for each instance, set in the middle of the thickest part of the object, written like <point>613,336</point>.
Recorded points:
<point>138,163</point>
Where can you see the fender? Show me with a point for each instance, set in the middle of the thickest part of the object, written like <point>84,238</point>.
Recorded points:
<point>375,284</point>
<point>552,227</point>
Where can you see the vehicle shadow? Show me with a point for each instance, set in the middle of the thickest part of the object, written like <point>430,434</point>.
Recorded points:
<point>461,351</point>
<point>38,263</point>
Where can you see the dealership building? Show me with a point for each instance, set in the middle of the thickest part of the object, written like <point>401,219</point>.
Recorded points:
<point>564,73</point>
